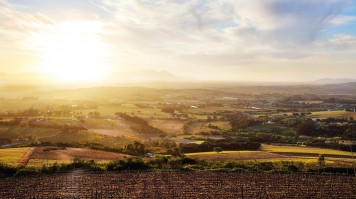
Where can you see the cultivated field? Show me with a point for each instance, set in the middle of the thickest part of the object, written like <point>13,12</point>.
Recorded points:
<point>169,126</point>
<point>16,132</point>
<point>333,114</point>
<point>179,185</point>
<point>87,137</point>
<point>303,150</point>
<point>235,155</point>
<point>110,127</point>
<point>41,156</point>
<point>12,156</point>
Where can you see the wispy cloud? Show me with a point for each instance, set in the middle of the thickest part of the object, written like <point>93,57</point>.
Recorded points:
<point>16,25</point>
<point>230,29</point>
<point>343,19</point>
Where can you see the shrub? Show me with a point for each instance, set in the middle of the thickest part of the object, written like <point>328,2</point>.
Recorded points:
<point>130,164</point>
<point>6,170</point>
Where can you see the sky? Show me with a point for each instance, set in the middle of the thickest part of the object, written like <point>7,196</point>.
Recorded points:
<point>111,41</point>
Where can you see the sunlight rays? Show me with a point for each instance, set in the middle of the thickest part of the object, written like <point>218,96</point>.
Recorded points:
<point>72,52</point>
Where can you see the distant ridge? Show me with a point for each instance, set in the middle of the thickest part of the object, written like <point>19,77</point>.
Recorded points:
<point>333,81</point>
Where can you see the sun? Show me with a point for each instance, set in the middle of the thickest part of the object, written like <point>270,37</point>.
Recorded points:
<point>72,52</point>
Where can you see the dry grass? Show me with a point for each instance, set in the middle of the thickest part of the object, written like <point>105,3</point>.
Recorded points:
<point>12,156</point>
<point>109,127</point>
<point>168,126</point>
<point>333,114</point>
<point>297,149</point>
<point>40,157</point>
<point>235,155</point>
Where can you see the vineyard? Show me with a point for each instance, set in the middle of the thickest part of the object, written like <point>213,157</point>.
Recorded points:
<point>79,184</point>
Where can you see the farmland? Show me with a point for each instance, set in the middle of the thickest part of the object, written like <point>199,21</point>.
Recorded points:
<point>301,149</point>
<point>12,156</point>
<point>151,131</point>
<point>49,155</point>
<point>40,156</point>
<point>236,155</point>
<point>179,184</point>
<point>163,99</point>
<point>169,126</point>
<point>334,114</point>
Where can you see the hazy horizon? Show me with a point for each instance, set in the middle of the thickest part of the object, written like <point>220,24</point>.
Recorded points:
<point>105,42</point>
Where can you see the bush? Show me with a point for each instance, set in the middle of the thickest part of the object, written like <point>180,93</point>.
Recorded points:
<point>26,172</point>
<point>130,164</point>
<point>265,166</point>
<point>6,170</point>
<point>158,163</point>
<point>175,163</point>
<point>186,160</point>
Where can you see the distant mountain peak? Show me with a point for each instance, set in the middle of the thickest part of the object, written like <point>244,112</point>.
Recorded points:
<point>333,81</point>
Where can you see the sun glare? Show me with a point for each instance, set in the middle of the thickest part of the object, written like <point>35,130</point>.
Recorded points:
<point>72,52</point>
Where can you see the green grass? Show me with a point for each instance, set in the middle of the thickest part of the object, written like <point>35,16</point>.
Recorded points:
<point>12,156</point>
<point>269,128</point>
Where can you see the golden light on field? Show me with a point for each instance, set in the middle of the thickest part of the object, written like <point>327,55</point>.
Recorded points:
<point>72,52</point>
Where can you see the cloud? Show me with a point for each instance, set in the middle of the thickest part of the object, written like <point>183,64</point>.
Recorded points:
<point>226,28</point>
<point>16,25</point>
<point>340,42</point>
<point>190,36</point>
<point>342,19</point>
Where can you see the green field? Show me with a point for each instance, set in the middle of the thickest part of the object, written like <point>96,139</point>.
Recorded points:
<point>12,156</point>
<point>269,128</point>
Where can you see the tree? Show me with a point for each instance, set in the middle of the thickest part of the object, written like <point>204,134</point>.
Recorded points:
<point>308,127</point>
<point>321,160</point>
<point>217,149</point>
<point>239,123</point>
